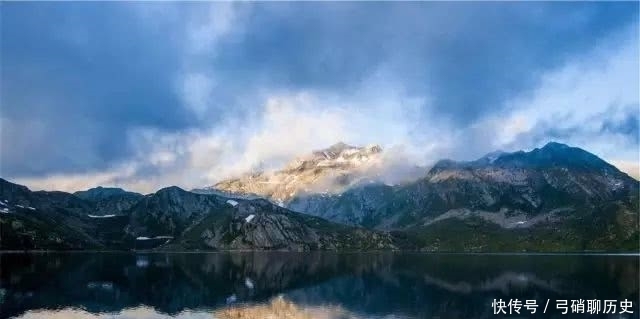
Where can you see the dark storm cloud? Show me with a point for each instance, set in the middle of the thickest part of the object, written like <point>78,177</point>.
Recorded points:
<point>628,126</point>
<point>76,78</point>
<point>613,124</point>
<point>469,57</point>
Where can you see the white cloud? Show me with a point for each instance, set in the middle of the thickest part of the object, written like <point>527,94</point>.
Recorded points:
<point>204,32</point>
<point>197,92</point>
<point>287,125</point>
<point>206,28</point>
<point>576,101</point>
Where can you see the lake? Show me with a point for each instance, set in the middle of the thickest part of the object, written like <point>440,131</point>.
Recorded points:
<point>313,285</point>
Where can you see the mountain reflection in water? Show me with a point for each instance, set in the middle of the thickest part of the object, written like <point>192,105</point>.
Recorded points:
<point>305,285</point>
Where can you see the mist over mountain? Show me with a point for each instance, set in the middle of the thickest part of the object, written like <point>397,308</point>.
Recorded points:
<point>326,171</point>
<point>342,169</point>
<point>544,189</point>
<point>554,198</point>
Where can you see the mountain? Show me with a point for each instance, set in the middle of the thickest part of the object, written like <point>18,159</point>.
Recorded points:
<point>552,198</point>
<point>546,180</point>
<point>109,200</point>
<point>102,193</point>
<point>171,218</point>
<point>200,221</point>
<point>43,220</point>
<point>332,169</point>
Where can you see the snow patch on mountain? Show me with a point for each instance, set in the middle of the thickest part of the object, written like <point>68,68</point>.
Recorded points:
<point>151,238</point>
<point>232,202</point>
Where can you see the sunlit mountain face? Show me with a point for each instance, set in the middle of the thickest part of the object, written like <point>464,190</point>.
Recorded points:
<point>300,285</point>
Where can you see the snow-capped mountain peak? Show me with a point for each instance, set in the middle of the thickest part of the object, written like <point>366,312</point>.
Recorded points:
<point>328,170</point>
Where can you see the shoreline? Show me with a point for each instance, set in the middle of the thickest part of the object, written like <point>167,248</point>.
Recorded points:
<point>582,253</point>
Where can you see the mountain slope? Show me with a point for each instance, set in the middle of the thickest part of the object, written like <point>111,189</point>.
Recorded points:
<point>549,181</point>
<point>170,211</point>
<point>109,201</point>
<point>259,224</point>
<point>43,220</point>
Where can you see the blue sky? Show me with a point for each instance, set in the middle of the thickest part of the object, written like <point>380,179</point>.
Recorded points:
<point>144,95</point>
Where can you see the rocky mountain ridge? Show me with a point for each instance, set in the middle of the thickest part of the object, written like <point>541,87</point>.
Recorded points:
<point>171,218</point>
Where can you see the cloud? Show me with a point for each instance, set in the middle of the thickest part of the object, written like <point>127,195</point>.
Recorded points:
<point>468,62</point>
<point>78,181</point>
<point>197,92</point>
<point>188,94</point>
<point>204,32</point>
<point>286,125</point>
<point>70,91</point>
<point>592,102</point>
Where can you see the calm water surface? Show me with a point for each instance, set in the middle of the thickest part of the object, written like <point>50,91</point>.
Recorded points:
<point>319,285</point>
